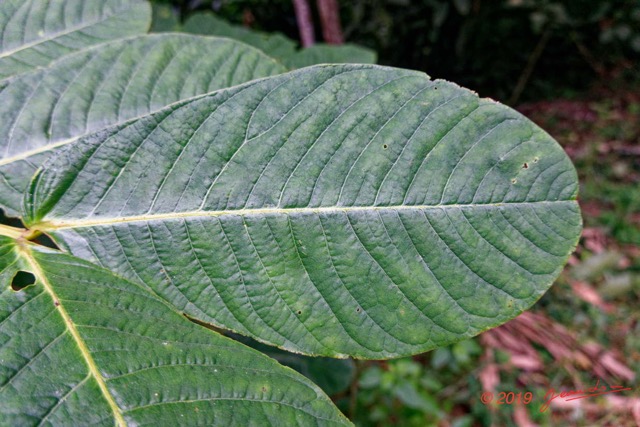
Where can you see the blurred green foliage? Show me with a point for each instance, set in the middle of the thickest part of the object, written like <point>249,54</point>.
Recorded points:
<point>485,45</point>
<point>274,44</point>
<point>333,376</point>
<point>420,391</point>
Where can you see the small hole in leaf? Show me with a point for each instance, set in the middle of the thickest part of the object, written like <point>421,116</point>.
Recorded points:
<point>525,165</point>
<point>45,240</point>
<point>21,280</point>
<point>385,146</point>
<point>7,220</point>
<point>299,311</point>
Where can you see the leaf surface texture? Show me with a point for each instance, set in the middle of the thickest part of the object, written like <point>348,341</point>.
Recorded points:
<point>35,32</point>
<point>84,347</point>
<point>107,85</point>
<point>336,210</point>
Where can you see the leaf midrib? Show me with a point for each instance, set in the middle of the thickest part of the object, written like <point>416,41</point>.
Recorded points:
<point>53,225</point>
<point>25,251</point>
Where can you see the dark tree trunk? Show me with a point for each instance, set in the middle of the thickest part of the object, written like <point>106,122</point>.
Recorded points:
<point>330,18</point>
<point>305,23</point>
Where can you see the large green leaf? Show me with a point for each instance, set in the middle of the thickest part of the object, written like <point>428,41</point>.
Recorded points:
<point>36,32</point>
<point>336,210</point>
<point>84,347</point>
<point>107,85</point>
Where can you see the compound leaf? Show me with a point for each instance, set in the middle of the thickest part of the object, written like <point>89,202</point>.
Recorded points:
<point>336,210</point>
<point>84,347</point>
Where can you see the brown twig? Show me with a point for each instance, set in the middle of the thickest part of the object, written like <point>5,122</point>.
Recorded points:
<point>528,69</point>
<point>597,67</point>
<point>305,23</point>
<point>330,19</point>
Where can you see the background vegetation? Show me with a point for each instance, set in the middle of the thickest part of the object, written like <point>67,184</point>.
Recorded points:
<point>573,67</point>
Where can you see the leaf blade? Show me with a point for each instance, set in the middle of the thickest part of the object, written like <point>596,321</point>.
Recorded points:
<point>107,85</point>
<point>353,197</point>
<point>146,363</point>
<point>34,33</point>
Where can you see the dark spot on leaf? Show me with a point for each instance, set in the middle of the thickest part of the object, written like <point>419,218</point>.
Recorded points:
<point>535,160</point>
<point>358,310</point>
<point>525,165</point>
<point>513,181</point>
<point>264,389</point>
<point>299,311</point>
<point>21,280</point>
<point>56,303</point>
<point>435,88</point>
<point>385,146</point>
